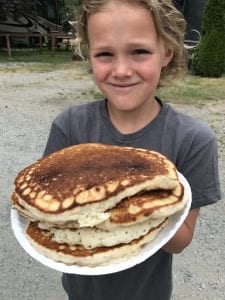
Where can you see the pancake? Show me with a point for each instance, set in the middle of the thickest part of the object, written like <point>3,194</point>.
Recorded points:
<point>149,205</point>
<point>92,237</point>
<point>80,183</point>
<point>135,209</point>
<point>22,210</point>
<point>41,240</point>
<point>26,213</point>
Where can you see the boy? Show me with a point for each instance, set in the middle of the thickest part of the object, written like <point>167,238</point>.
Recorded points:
<point>134,46</point>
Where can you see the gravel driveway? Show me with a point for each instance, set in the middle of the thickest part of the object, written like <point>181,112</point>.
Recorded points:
<point>29,102</point>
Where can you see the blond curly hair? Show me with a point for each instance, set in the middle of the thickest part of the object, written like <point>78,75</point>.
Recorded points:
<point>169,23</point>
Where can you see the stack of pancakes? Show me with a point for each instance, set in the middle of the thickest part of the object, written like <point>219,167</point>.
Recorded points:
<point>94,204</point>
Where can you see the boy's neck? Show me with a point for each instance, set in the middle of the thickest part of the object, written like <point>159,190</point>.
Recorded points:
<point>131,122</point>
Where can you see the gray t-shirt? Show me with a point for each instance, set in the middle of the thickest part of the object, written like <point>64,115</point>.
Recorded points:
<point>188,142</point>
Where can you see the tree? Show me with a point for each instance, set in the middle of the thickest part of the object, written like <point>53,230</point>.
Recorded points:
<point>68,8</point>
<point>16,8</point>
<point>209,59</point>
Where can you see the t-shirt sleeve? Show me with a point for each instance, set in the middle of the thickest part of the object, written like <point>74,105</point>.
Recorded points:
<point>201,170</point>
<point>57,140</point>
<point>59,136</point>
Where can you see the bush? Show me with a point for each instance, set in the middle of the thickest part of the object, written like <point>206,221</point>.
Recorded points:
<point>209,59</point>
<point>214,16</point>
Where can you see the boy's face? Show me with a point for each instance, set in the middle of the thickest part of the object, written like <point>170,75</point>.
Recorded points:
<point>126,55</point>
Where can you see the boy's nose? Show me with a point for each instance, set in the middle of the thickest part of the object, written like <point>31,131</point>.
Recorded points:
<point>121,68</point>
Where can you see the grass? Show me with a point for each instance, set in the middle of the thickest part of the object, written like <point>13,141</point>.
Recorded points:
<point>36,61</point>
<point>192,89</point>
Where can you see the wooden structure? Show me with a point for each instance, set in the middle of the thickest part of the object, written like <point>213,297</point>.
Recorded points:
<point>53,37</point>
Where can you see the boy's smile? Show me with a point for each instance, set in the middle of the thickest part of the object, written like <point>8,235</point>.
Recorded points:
<point>127,56</point>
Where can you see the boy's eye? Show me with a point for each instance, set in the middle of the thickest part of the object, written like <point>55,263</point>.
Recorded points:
<point>140,51</point>
<point>103,54</point>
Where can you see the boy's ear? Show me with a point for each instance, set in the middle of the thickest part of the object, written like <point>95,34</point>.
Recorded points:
<point>168,56</point>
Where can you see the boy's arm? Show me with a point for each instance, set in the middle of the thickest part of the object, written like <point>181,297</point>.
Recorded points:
<point>184,235</point>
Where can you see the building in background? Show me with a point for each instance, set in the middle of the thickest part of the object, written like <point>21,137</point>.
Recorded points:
<point>44,19</point>
<point>193,11</point>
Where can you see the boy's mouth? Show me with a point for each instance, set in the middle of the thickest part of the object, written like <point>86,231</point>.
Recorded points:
<point>123,86</point>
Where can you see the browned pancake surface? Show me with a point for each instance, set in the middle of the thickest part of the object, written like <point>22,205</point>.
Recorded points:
<point>56,182</point>
<point>144,205</point>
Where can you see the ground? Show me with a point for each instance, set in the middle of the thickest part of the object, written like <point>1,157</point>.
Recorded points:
<point>29,102</point>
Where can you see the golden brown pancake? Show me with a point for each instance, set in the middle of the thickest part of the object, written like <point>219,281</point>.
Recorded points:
<point>90,177</point>
<point>42,241</point>
<point>141,207</point>
<point>92,237</point>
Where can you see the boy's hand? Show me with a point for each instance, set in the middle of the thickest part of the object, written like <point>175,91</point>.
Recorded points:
<point>184,235</point>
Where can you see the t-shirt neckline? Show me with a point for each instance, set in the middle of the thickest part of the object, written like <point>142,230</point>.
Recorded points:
<point>116,134</point>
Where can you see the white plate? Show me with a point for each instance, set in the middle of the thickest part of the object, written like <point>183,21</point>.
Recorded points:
<point>19,225</point>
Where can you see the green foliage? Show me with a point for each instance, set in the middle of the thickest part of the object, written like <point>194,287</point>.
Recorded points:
<point>209,59</point>
<point>16,8</point>
<point>214,16</point>
<point>67,9</point>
